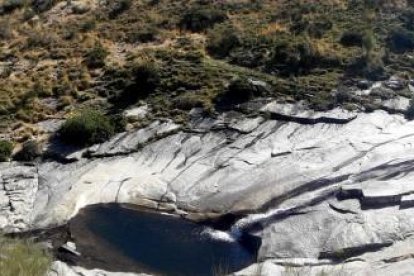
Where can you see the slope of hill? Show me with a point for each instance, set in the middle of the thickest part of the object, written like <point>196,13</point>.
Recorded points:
<point>59,56</point>
<point>261,112</point>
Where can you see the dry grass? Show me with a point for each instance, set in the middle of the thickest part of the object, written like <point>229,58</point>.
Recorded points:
<point>50,49</point>
<point>22,258</point>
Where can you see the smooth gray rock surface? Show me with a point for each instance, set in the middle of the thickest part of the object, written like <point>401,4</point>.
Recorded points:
<point>337,189</point>
<point>397,104</point>
<point>18,189</point>
<point>61,269</point>
<point>299,112</point>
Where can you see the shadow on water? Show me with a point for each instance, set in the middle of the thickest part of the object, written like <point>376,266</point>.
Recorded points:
<point>116,238</point>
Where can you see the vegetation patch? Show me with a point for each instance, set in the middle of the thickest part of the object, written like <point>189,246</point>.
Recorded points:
<point>23,258</point>
<point>176,55</point>
<point>199,19</point>
<point>87,128</point>
<point>6,149</point>
<point>95,58</point>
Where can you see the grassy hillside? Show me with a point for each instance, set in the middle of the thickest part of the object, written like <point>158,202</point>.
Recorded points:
<point>58,56</point>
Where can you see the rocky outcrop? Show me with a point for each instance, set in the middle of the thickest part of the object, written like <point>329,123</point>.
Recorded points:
<point>318,194</point>
<point>18,189</point>
<point>301,114</point>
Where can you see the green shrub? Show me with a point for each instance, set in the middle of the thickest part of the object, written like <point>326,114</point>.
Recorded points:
<point>6,149</point>
<point>23,258</point>
<point>87,128</point>
<point>370,67</point>
<point>29,152</point>
<point>319,28</point>
<point>39,40</point>
<point>9,6</point>
<point>240,90</point>
<point>118,7</point>
<point>144,36</point>
<point>200,19</point>
<point>28,14</point>
<point>315,29</point>
<point>87,26</point>
<point>400,40</point>
<point>369,42</point>
<point>293,59</point>
<point>145,78</point>
<point>119,122</point>
<point>5,30</point>
<point>407,17</point>
<point>351,38</point>
<point>188,100</point>
<point>221,41</point>
<point>95,58</point>
<point>43,5</point>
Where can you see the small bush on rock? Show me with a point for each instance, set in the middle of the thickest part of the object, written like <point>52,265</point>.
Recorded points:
<point>6,149</point>
<point>240,90</point>
<point>119,7</point>
<point>87,128</point>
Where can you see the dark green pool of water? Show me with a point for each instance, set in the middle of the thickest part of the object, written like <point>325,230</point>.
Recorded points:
<point>116,238</point>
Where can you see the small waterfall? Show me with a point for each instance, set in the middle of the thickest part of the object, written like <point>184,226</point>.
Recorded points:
<point>218,235</point>
<point>254,219</point>
<point>236,231</point>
